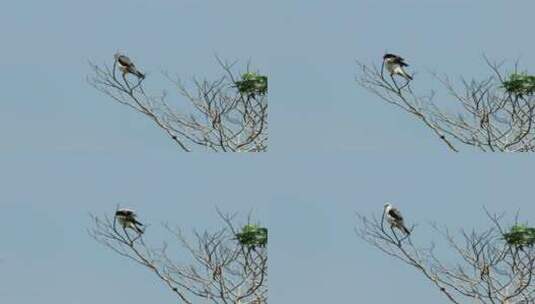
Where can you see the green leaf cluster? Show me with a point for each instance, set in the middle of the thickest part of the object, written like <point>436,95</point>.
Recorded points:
<point>520,236</point>
<point>520,85</point>
<point>252,236</point>
<point>252,84</point>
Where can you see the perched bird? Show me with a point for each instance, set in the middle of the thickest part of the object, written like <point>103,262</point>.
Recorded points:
<point>393,216</point>
<point>394,64</point>
<point>127,218</point>
<point>127,66</point>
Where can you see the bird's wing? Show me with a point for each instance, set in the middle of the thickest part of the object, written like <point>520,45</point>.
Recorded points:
<point>125,212</point>
<point>400,61</point>
<point>125,61</point>
<point>394,213</point>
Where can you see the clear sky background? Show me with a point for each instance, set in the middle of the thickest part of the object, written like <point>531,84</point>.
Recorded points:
<point>67,150</point>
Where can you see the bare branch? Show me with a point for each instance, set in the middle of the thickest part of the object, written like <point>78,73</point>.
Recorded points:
<point>215,116</point>
<point>488,270</point>
<point>488,118</point>
<point>221,269</point>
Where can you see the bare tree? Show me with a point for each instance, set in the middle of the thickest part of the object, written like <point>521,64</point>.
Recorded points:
<point>222,270</point>
<point>490,270</point>
<point>488,117</point>
<point>213,116</point>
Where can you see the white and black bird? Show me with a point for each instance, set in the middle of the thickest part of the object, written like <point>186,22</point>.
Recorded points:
<point>126,65</point>
<point>394,217</point>
<point>127,218</point>
<point>395,65</point>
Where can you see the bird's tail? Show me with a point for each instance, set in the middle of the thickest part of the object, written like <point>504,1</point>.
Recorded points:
<point>401,72</point>
<point>407,232</point>
<point>139,230</point>
<point>134,225</point>
<point>406,75</point>
<point>140,75</point>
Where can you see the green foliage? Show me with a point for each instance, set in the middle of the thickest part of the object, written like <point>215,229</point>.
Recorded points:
<point>520,85</point>
<point>520,235</point>
<point>252,84</point>
<point>253,235</point>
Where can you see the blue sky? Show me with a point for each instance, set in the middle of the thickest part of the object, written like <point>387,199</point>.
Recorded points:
<point>66,150</point>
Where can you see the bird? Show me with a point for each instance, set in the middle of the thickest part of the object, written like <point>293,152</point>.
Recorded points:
<point>127,218</point>
<point>127,66</point>
<point>393,216</point>
<point>394,64</point>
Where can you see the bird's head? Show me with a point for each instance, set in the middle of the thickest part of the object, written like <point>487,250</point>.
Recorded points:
<point>125,212</point>
<point>117,54</point>
<point>389,56</point>
<point>387,205</point>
